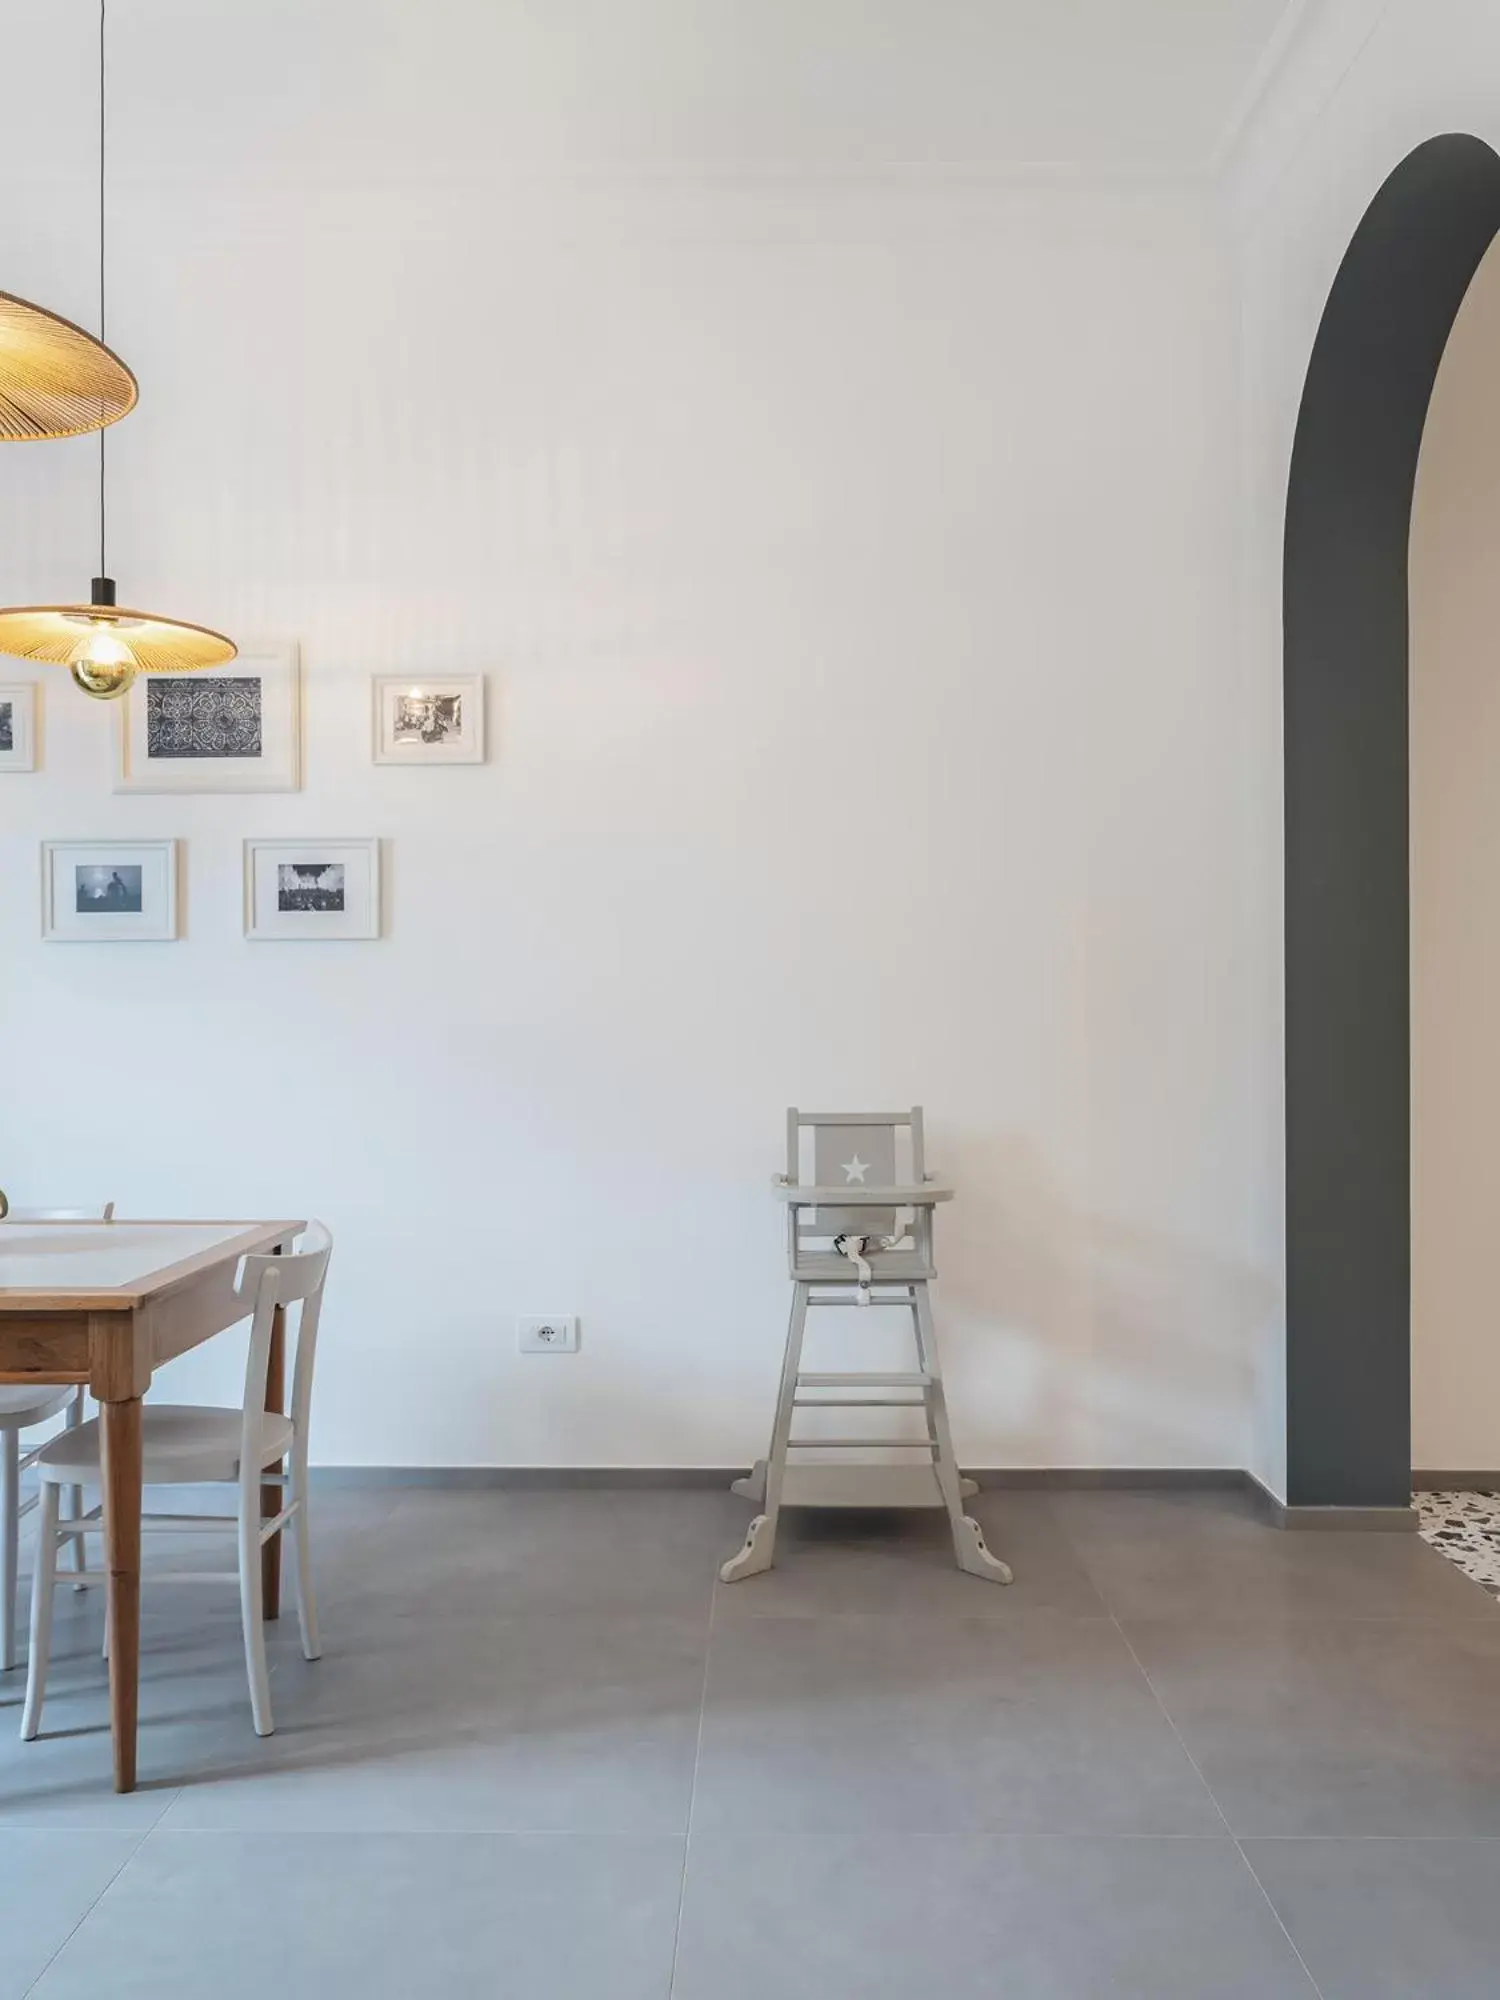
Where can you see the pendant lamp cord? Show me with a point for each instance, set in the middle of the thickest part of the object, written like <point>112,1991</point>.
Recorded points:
<point>103,570</point>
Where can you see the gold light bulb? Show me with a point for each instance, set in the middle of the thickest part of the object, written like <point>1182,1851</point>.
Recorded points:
<point>102,664</point>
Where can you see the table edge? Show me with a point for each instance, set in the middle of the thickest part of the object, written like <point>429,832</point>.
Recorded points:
<point>253,1238</point>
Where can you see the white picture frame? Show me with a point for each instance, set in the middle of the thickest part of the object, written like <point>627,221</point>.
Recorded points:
<point>308,891</point>
<point>109,891</point>
<point>194,732</point>
<point>423,719</point>
<point>19,701</point>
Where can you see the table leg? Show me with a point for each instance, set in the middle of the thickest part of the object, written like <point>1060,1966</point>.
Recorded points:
<point>121,1431</point>
<point>273,1498</point>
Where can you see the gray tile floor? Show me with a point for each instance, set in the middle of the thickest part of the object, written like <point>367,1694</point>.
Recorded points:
<point>1184,1757</point>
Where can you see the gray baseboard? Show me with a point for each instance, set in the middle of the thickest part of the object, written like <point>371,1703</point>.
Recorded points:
<point>527,1478</point>
<point>1346,1520</point>
<point>589,1478</point>
<point>1339,1520</point>
<point>1006,1478</point>
<point>1455,1482</point>
<point>1108,1478</point>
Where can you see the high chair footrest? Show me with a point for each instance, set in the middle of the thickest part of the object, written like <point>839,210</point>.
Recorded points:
<point>847,1479</point>
<point>870,1487</point>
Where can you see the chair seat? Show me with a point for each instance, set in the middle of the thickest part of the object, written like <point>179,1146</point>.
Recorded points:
<point>23,1403</point>
<point>180,1442</point>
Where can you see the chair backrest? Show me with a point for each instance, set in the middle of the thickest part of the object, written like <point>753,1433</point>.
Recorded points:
<point>294,1278</point>
<point>104,1214</point>
<point>854,1148</point>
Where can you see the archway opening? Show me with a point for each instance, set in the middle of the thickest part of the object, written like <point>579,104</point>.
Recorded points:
<point>1346,759</point>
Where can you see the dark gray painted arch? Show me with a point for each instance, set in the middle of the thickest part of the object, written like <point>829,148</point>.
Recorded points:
<point>1348,518</point>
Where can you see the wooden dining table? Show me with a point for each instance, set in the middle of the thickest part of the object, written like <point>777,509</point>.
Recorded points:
<point>106,1304</point>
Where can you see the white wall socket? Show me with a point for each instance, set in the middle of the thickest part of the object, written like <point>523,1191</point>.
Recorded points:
<point>543,1333</point>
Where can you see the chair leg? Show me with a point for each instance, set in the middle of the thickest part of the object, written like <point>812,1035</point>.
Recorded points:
<point>250,1609</point>
<point>759,1550</point>
<point>74,1509</point>
<point>43,1584</point>
<point>970,1550</point>
<point>307,1603</point>
<point>10,1543</point>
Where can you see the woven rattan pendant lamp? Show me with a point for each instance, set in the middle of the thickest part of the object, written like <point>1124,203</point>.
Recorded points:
<point>104,644</point>
<point>56,381</point>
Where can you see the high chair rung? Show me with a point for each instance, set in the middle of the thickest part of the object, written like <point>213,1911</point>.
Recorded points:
<point>858,1403</point>
<point>860,1444</point>
<point>846,1289</point>
<point>865,1379</point>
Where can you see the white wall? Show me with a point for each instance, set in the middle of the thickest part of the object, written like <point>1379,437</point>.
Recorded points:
<point>850,553</point>
<point>1455,846</point>
<point>1365,82</point>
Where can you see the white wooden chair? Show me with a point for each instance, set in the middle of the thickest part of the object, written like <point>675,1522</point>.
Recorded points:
<point>22,1405</point>
<point>188,1445</point>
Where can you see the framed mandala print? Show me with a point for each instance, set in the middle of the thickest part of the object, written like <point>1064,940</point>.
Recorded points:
<point>235,728</point>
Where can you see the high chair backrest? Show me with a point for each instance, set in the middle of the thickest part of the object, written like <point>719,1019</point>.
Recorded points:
<point>849,1149</point>
<point>266,1282</point>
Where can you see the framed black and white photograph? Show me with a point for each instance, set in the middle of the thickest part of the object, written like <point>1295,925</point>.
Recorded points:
<point>18,705</point>
<point>109,891</point>
<point>235,728</point>
<point>429,721</point>
<point>310,889</point>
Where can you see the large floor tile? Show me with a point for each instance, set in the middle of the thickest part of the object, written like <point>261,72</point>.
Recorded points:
<point>905,1780</point>
<point>883,1916</point>
<point>1212,1556</point>
<point>348,1524</point>
<point>1343,1726</point>
<point>503,1553</point>
<point>192,1692</point>
<point>1389,1919</point>
<point>48,1881</point>
<point>384,1916</point>
<point>553,1723</point>
<point>901,1565</point>
<point>1041,1723</point>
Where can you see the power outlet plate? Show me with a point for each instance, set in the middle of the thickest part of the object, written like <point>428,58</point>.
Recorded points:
<point>547,1333</point>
